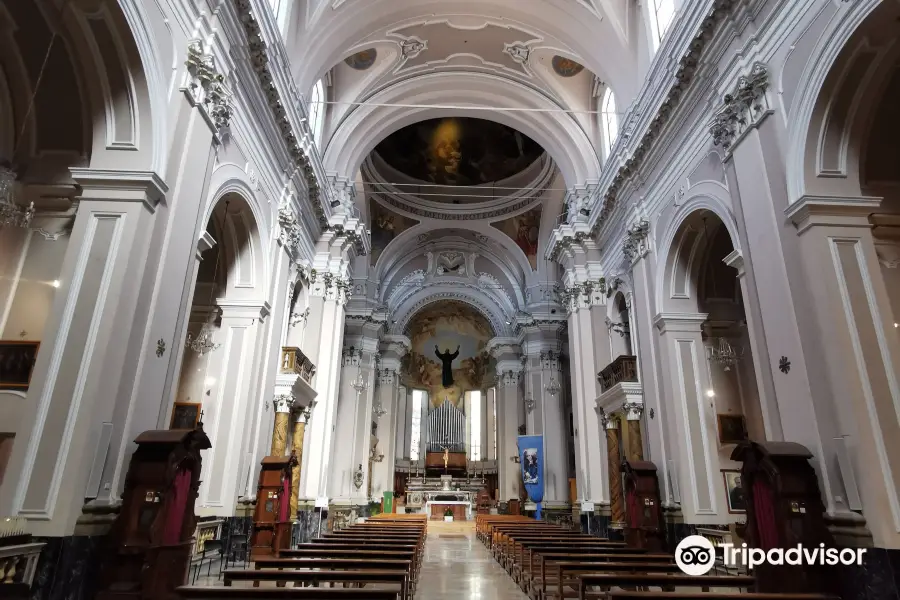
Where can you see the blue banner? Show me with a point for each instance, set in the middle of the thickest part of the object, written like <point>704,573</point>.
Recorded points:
<point>531,458</point>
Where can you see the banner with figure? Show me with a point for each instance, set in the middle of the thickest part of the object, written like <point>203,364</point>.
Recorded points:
<point>531,457</point>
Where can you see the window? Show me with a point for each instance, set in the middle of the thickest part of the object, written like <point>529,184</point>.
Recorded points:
<point>475,409</point>
<point>610,119</point>
<point>418,400</point>
<point>317,110</point>
<point>493,395</point>
<point>661,15</point>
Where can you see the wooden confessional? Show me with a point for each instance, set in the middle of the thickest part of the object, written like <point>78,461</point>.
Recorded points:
<point>150,543</point>
<point>784,509</point>
<point>272,518</point>
<point>643,514</point>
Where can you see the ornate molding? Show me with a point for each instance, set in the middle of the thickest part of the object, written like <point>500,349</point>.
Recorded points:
<point>742,108</point>
<point>584,295</point>
<point>206,85</point>
<point>412,46</point>
<point>633,410</point>
<point>518,52</point>
<point>290,233</point>
<point>636,246</point>
<point>259,61</point>
<point>508,377</point>
<point>283,403</point>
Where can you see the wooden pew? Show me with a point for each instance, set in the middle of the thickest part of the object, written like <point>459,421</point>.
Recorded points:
<point>568,573</point>
<point>373,553</point>
<point>316,577</point>
<point>539,573</point>
<point>270,593</point>
<point>605,581</point>
<point>617,595</point>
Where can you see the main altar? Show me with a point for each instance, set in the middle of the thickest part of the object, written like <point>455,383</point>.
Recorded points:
<point>433,496</point>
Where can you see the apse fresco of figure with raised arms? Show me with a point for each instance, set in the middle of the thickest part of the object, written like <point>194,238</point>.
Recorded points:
<point>448,327</point>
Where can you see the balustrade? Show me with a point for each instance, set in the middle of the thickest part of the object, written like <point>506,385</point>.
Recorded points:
<point>624,368</point>
<point>294,362</point>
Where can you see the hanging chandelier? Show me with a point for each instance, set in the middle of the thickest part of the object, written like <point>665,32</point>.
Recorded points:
<point>203,344</point>
<point>378,410</point>
<point>359,384</point>
<point>725,355</point>
<point>10,212</point>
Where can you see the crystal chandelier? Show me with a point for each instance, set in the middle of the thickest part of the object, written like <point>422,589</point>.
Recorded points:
<point>553,387</point>
<point>378,410</point>
<point>725,354</point>
<point>360,384</point>
<point>203,343</point>
<point>10,212</point>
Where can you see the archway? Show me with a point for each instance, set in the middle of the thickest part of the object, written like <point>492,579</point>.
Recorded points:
<point>709,366</point>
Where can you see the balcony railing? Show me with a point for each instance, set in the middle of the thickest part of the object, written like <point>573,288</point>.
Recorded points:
<point>294,362</point>
<point>622,369</point>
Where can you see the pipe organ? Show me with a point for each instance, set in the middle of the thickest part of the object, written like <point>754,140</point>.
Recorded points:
<point>445,427</point>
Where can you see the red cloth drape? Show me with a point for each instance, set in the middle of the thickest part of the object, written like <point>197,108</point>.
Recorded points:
<point>285,506</point>
<point>175,517</point>
<point>765,514</point>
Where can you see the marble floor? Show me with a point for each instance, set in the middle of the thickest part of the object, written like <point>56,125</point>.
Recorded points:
<point>457,565</point>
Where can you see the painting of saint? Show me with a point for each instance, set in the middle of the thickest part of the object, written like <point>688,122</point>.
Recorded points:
<point>531,469</point>
<point>524,231</point>
<point>386,225</point>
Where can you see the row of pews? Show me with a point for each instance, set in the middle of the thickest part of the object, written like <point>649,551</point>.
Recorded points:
<point>375,560</point>
<point>551,562</point>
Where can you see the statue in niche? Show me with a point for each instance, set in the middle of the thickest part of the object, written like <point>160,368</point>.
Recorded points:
<point>446,359</point>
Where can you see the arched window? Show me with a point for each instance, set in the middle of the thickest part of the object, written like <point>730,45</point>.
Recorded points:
<point>317,110</point>
<point>610,119</point>
<point>661,13</point>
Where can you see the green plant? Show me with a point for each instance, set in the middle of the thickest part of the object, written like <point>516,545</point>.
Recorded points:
<point>448,513</point>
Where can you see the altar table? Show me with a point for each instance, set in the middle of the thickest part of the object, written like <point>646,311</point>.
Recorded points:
<point>462,511</point>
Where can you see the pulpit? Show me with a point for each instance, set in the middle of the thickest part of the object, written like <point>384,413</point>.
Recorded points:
<point>643,514</point>
<point>272,517</point>
<point>784,509</point>
<point>150,542</point>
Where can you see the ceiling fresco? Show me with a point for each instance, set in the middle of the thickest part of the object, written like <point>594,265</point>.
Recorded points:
<point>458,151</point>
<point>386,225</point>
<point>444,327</point>
<point>524,230</point>
<point>566,67</point>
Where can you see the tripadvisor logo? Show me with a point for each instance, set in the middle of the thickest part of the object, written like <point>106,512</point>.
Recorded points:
<point>695,555</point>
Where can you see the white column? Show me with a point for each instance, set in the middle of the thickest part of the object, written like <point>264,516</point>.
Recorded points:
<point>231,399</point>
<point>549,420</point>
<point>692,421</point>
<point>386,396</point>
<point>86,365</point>
<point>509,401</point>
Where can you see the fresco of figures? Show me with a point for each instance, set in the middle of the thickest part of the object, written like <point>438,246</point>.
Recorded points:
<point>524,229</point>
<point>441,328</point>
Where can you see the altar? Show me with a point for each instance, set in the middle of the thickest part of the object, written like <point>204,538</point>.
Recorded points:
<point>435,509</point>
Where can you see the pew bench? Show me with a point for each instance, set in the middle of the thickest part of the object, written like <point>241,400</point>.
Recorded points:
<point>270,593</point>
<point>316,577</point>
<point>339,563</point>
<point>343,551</point>
<point>541,572</point>
<point>620,595</point>
<point>605,581</point>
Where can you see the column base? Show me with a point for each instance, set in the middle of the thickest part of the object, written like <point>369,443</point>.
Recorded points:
<point>97,518</point>
<point>342,513</point>
<point>878,577</point>
<point>310,522</point>
<point>596,522</point>
<point>68,566</point>
<point>849,530</point>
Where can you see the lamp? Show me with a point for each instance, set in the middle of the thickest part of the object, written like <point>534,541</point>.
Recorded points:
<point>203,343</point>
<point>10,212</point>
<point>725,354</point>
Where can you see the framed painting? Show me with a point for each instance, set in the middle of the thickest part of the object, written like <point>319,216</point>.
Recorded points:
<point>732,428</point>
<point>734,492</point>
<point>185,415</point>
<point>17,360</point>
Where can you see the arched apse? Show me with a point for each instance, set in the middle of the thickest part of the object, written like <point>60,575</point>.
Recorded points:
<point>847,22</point>
<point>557,132</point>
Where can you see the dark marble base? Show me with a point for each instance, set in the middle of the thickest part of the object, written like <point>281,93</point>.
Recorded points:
<point>877,579</point>
<point>68,568</point>
<point>307,525</point>
<point>596,524</point>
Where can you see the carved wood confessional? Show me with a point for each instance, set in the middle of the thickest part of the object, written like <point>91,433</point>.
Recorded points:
<point>272,517</point>
<point>784,509</point>
<point>644,518</point>
<point>150,542</point>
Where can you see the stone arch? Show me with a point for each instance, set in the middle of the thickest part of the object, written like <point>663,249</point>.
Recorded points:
<point>559,134</point>
<point>481,302</point>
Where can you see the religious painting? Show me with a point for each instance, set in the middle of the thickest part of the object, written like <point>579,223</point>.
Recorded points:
<point>448,355</point>
<point>531,470</point>
<point>386,225</point>
<point>524,230</point>
<point>566,67</point>
<point>458,151</point>
<point>185,415</point>
<point>734,492</point>
<point>732,428</point>
<point>362,60</point>
<point>17,360</point>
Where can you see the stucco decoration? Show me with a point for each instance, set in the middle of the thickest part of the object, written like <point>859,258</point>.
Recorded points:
<point>458,151</point>
<point>362,60</point>
<point>386,225</point>
<point>524,230</point>
<point>447,325</point>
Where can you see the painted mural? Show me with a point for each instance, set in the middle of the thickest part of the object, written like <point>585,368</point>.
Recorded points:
<point>385,225</point>
<point>362,60</point>
<point>566,67</point>
<point>458,151</point>
<point>448,355</point>
<point>523,230</point>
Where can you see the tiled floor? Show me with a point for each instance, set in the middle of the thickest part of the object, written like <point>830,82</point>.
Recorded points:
<point>458,566</point>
